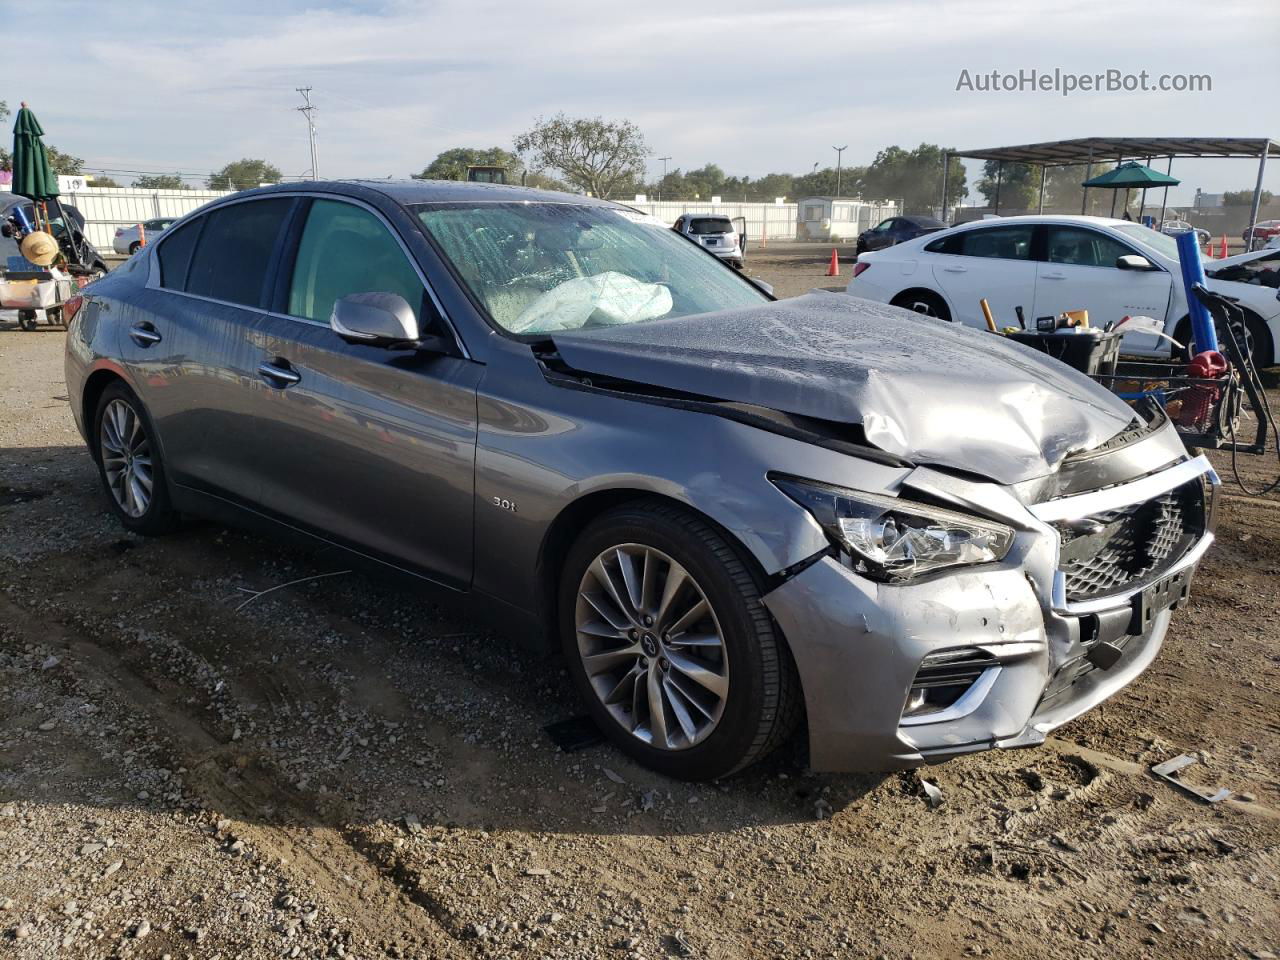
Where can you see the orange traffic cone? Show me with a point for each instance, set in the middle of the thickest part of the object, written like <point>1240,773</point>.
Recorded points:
<point>834,269</point>
<point>1222,251</point>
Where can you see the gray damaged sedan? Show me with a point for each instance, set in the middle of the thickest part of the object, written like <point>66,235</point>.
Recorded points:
<point>734,515</point>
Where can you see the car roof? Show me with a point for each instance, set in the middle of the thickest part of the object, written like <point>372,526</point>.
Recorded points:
<point>1050,218</point>
<point>433,191</point>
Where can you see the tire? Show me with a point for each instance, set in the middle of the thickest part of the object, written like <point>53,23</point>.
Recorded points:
<point>707,734</point>
<point>27,320</point>
<point>923,301</point>
<point>1258,342</point>
<point>134,247</point>
<point>118,438</point>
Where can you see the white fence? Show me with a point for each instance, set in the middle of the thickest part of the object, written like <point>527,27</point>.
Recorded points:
<point>107,208</point>
<point>767,221</point>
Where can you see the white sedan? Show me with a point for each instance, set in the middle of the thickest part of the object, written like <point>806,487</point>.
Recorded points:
<point>1048,264</point>
<point>128,240</point>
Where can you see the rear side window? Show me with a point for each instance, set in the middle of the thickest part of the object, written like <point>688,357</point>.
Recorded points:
<point>1001,243</point>
<point>346,249</point>
<point>234,253</point>
<point>949,243</point>
<point>175,255</point>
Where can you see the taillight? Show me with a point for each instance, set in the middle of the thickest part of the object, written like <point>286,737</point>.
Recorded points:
<point>71,307</point>
<point>119,232</point>
<point>859,267</point>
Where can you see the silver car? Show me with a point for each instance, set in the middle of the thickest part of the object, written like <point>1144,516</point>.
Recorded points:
<point>733,515</point>
<point>128,240</point>
<point>724,236</point>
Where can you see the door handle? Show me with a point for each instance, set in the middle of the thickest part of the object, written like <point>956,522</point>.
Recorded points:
<point>1053,276</point>
<point>956,269</point>
<point>144,334</point>
<point>278,373</point>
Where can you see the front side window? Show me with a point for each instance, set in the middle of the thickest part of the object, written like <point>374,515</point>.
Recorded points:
<point>540,267</point>
<point>1081,247</point>
<point>234,253</point>
<point>1002,243</point>
<point>346,249</point>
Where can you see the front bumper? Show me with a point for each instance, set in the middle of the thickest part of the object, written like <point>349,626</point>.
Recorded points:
<point>858,645</point>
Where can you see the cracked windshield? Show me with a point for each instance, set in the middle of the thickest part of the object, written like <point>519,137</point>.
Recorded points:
<point>538,268</point>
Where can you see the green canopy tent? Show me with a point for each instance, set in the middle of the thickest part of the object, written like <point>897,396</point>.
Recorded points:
<point>33,176</point>
<point>1129,176</point>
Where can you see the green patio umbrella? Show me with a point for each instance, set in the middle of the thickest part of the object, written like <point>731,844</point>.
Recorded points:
<point>1126,177</point>
<point>1131,175</point>
<point>32,175</point>
<point>34,178</point>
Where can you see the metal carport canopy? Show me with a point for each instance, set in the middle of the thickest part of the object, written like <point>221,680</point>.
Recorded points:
<point>1087,150</point>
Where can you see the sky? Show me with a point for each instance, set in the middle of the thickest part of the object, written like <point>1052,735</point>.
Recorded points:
<point>752,86</point>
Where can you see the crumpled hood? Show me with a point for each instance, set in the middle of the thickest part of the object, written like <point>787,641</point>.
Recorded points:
<point>921,388</point>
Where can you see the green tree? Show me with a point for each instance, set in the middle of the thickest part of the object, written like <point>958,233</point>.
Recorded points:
<point>161,181</point>
<point>243,174</point>
<point>597,156</point>
<point>452,164</point>
<point>4,154</point>
<point>914,176</point>
<point>1244,198</point>
<point>102,180</point>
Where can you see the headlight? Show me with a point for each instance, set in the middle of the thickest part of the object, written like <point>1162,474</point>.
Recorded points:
<point>895,539</point>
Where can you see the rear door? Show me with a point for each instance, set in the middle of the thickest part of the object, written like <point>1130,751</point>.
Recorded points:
<point>993,263</point>
<point>369,447</point>
<point>191,341</point>
<point>1079,273</point>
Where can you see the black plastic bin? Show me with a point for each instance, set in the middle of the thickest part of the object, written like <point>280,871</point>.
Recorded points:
<point>1090,351</point>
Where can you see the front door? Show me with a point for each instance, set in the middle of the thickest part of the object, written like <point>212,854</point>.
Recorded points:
<point>372,448</point>
<point>1080,273</point>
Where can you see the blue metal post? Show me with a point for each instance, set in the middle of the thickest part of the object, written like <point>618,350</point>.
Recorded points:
<point>1202,332</point>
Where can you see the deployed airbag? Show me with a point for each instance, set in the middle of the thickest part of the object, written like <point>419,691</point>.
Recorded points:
<point>607,299</point>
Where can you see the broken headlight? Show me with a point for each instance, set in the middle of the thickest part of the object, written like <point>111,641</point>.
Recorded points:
<point>892,539</point>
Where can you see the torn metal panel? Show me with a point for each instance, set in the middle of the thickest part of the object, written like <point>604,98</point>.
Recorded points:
<point>919,387</point>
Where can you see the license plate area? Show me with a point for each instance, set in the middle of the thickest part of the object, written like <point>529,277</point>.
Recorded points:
<point>1165,594</point>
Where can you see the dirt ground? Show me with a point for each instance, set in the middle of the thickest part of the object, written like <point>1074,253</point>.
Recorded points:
<point>189,768</point>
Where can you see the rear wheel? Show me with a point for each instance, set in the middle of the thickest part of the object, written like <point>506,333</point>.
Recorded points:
<point>129,463</point>
<point>134,247</point>
<point>923,301</point>
<point>670,646</point>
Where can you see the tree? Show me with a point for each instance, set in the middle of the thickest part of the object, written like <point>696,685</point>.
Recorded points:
<point>161,181</point>
<point>915,176</point>
<point>1244,198</point>
<point>243,174</point>
<point>594,155</point>
<point>452,164</point>
<point>101,180</point>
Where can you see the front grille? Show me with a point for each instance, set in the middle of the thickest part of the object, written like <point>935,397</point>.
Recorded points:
<point>1106,552</point>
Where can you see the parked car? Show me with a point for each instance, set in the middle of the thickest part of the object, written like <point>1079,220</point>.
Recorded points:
<point>9,246</point>
<point>1048,264</point>
<point>1175,227</point>
<point>727,511</point>
<point>895,230</point>
<point>717,234</point>
<point>1263,232</point>
<point>128,240</point>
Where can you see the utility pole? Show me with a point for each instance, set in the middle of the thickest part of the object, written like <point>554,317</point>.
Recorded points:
<point>839,151</point>
<point>307,111</point>
<point>664,176</point>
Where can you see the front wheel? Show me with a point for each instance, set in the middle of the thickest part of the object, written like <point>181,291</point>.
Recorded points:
<point>670,646</point>
<point>129,463</point>
<point>923,301</point>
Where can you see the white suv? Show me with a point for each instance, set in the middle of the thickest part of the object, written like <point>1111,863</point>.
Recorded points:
<point>717,234</point>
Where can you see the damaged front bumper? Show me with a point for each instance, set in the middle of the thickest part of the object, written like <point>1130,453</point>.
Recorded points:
<point>1029,657</point>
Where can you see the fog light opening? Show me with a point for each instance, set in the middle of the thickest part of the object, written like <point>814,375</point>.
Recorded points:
<point>944,679</point>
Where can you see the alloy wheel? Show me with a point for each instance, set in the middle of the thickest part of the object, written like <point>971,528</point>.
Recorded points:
<point>652,647</point>
<point>126,458</point>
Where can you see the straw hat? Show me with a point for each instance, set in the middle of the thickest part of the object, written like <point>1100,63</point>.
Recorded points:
<point>40,248</point>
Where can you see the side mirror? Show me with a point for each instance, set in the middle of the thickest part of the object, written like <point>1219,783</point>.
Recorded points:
<point>766,287</point>
<point>375,319</point>
<point>1134,261</point>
